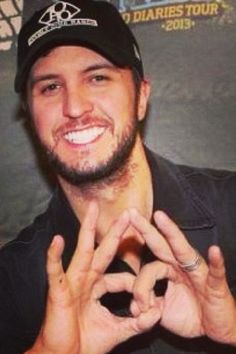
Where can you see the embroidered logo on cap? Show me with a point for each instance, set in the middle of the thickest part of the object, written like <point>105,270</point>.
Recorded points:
<point>61,11</point>
<point>61,14</point>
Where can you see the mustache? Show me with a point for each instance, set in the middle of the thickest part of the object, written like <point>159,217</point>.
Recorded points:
<point>81,123</point>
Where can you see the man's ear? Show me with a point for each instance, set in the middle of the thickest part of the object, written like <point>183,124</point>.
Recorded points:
<point>144,94</point>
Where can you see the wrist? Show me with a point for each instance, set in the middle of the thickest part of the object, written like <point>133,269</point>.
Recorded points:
<point>40,348</point>
<point>43,350</point>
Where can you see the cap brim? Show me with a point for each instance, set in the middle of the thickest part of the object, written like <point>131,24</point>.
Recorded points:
<point>89,39</point>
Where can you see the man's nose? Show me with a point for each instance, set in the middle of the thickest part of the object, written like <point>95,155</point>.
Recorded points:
<point>76,103</point>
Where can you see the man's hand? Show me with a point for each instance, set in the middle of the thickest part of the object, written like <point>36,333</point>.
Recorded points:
<point>75,321</point>
<point>197,302</point>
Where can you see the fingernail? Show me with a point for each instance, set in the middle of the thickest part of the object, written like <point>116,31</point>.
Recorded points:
<point>54,241</point>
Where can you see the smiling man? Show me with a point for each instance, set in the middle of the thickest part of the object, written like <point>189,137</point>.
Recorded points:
<point>103,269</point>
<point>82,105</point>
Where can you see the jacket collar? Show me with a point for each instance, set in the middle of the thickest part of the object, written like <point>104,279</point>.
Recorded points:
<point>174,194</point>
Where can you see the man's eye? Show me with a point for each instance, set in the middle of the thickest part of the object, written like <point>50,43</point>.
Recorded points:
<point>50,88</point>
<point>100,78</point>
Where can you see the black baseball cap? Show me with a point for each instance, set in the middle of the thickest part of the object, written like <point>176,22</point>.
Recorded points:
<point>97,25</point>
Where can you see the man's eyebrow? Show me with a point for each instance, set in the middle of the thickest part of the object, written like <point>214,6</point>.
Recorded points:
<point>38,78</point>
<point>100,66</point>
<point>44,77</point>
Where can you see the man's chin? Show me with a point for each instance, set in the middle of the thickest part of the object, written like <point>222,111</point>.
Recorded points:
<point>90,175</point>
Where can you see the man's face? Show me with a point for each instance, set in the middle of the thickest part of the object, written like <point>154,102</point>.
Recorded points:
<point>84,111</point>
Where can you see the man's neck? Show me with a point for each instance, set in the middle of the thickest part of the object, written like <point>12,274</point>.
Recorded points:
<point>131,188</point>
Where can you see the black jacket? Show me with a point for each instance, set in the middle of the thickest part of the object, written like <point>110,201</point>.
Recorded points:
<point>201,202</point>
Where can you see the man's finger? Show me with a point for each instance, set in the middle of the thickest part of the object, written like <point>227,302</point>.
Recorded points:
<point>132,326</point>
<point>152,237</point>
<point>54,266</point>
<point>56,276</point>
<point>184,253</point>
<point>113,283</point>
<point>146,280</point>
<point>83,254</point>
<point>107,249</point>
<point>216,277</point>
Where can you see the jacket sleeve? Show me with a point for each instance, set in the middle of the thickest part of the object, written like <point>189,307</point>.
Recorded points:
<point>14,337</point>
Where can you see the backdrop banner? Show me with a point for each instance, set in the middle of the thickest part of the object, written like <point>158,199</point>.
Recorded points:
<point>189,51</point>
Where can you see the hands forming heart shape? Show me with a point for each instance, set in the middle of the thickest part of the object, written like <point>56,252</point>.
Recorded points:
<point>197,300</point>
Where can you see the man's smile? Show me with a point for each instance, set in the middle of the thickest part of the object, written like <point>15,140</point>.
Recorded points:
<point>84,136</point>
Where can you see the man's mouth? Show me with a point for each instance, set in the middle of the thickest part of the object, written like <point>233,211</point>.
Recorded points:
<point>84,136</point>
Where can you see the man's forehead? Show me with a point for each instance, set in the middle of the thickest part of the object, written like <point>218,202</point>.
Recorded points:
<point>78,59</point>
<point>78,51</point>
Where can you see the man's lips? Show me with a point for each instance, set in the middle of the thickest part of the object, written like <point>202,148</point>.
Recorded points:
<point>84,136</point>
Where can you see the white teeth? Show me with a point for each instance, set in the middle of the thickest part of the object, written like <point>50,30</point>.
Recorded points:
<point>84,136</point>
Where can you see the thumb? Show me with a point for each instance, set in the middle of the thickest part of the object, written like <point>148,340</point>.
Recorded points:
<point>216,276</point>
